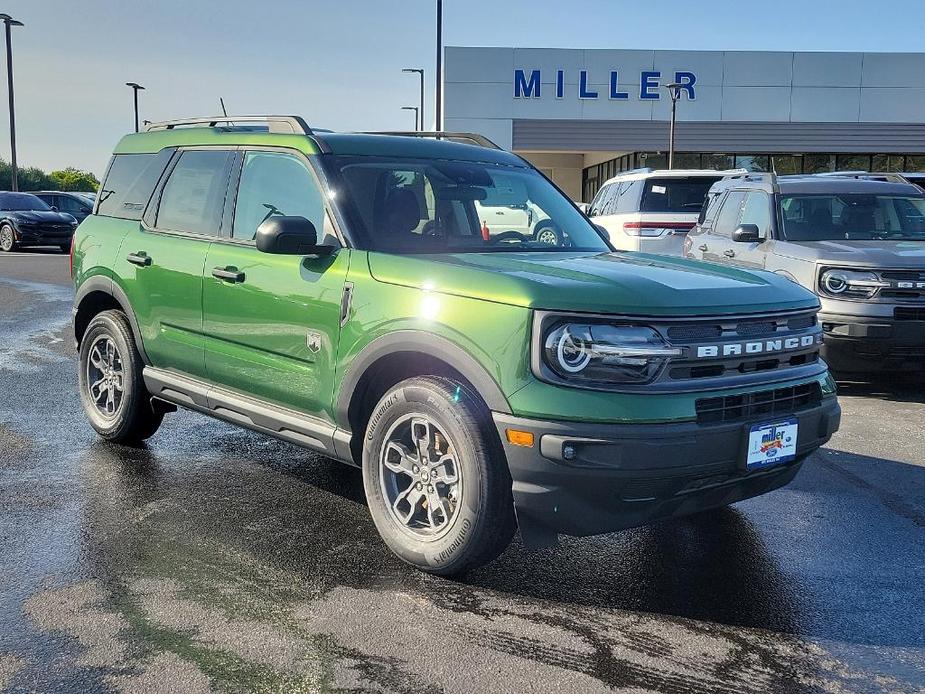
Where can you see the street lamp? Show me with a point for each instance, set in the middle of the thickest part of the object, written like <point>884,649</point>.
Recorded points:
<point>135,89</point>
<point>10,22</point>
<point>415,109</point>
<point>420,72</point>
<point>439,90</point>
<point>674,91</point>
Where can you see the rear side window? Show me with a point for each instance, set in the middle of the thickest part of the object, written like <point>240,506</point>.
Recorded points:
<point>194,195</point>
<point>676,195</point>
<point>129,183</point>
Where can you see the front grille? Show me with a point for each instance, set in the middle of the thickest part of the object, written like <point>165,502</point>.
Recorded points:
<point>714,334</point>
<point>732,408</point>
<point>909,313</point>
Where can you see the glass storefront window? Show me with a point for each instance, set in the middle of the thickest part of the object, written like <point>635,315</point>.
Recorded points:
<point>888,162</point>
<point>753,162</point>
<point>852,162</point>
<point>915,163</point>
<point>818,163</point>
<point>720,162</point>
<point>784,164</point>
<point>686,160</point>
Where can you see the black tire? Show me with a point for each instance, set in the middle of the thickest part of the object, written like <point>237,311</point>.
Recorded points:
<point>481,523</point>
<point>132,419</point>
<point>7,238</point>
<point>547,232</point>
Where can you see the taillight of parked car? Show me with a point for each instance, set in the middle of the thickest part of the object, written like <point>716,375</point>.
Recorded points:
<point>653,229</point>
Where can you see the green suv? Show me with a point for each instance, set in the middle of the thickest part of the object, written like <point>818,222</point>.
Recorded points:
<point>338,291</point>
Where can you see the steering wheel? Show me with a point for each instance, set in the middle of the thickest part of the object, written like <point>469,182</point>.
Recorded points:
<point>509,237</point>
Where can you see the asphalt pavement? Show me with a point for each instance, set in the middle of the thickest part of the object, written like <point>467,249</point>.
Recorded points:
<point>214,558</point>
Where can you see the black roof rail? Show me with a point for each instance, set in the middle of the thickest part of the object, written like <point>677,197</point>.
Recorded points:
<point>473,138</point>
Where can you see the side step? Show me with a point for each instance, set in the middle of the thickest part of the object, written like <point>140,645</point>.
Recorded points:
<point>258,415</point>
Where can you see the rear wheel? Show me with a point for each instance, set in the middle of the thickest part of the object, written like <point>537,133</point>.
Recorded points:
<point>437,484</point>
<point>112,390</point>
<point>7,238</point>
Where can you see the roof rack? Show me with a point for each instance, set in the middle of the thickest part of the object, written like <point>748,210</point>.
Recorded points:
<point>473,138</point>
<point>290,125</point>
<point>887,176</point>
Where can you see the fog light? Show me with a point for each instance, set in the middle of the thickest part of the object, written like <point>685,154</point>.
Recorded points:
<point>568,452</point>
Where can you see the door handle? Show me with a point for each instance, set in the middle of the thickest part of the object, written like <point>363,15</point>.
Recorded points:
<point>228,274</point>
<point>140,258</point>
<point>703,247</point>
<point>729,253</point>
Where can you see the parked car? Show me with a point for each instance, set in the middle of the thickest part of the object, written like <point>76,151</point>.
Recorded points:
<point>652,211</point>
<point>336,291</point>
<point>25,220</point>
<point>857,242</point>
<point>78,205</point>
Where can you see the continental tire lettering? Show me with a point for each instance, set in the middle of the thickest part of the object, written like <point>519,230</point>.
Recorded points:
<point>380,413</point>
<point>466,526</point>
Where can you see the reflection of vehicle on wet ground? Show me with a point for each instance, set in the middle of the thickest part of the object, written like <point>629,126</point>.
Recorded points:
<point>25,220</point>
<point>652,211</point>
<point>470,377</point>
<point>857,241</point>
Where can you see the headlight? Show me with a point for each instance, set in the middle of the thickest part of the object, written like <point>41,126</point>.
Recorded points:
<point>850,284</point>
<point>605,353</point>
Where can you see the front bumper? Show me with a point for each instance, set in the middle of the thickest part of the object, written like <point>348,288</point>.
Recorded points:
<point>627,475</point>
<point>40,236</point>
<point>859,344</point>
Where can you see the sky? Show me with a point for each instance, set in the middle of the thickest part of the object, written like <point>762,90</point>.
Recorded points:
<point>339,63</point>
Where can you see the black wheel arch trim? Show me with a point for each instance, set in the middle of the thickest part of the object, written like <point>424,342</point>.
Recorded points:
<point>430,344</point>
<point>107,285</point>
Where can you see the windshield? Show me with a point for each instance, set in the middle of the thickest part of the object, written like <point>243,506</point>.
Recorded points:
<point>403,205</point>
<point>21,201</point>
<point>852,216</point>
<point>676,195</point>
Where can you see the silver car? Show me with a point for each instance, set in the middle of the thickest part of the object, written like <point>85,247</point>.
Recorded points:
<point>859,244</point>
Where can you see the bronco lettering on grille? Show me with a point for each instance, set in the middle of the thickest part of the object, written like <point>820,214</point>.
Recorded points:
<point>733,349</point>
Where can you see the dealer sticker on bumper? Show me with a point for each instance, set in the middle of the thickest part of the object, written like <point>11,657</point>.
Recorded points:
<point>771,444</point>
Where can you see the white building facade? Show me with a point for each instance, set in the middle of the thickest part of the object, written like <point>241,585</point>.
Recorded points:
<point>583,115</point>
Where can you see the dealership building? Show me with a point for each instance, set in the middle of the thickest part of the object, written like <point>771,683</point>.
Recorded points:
<point>582,116</point>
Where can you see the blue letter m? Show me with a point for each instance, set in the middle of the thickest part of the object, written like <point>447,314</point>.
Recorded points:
<point>525,89</point>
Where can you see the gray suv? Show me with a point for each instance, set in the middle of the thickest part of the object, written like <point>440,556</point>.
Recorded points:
<point>859,244</point>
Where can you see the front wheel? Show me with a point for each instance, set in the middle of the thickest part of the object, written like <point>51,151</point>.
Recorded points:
<point>112,390</point>
<point>7,238</point>
<point>436,481</point>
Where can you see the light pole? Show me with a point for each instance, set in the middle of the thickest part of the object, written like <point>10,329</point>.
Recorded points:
<point>10,22</point>
<point>415,109</point>
<point>439,91</point>
<point>674,91</point>
<point>420,72</point>
<point>135,89</point>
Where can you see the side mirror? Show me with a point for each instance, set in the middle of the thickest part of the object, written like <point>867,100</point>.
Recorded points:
<point>290,236</point>
<point>747,233</point>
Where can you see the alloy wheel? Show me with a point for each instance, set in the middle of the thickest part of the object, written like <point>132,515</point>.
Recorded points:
<point>548,236</point>
<point>6,239</point>
<point>105,376</point>
<point>420,477</point>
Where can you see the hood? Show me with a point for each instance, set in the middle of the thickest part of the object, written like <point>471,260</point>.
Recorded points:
<point>874,254</point>
<point>42,216</point>
<point>631,283</point>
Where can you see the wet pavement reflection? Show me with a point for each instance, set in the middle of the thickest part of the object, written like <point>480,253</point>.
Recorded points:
<point>214,558</point>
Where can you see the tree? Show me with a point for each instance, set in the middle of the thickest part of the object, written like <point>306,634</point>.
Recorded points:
<point>32,178</point>
<point>74,179</point>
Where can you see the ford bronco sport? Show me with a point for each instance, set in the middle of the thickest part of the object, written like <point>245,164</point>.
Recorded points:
<point>857,240</point>
<point>335,290</point>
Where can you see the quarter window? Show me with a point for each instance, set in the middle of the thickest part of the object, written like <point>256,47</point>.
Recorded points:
<point>194,195</point>
<point>129,183</point>
<point>272,184</point>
